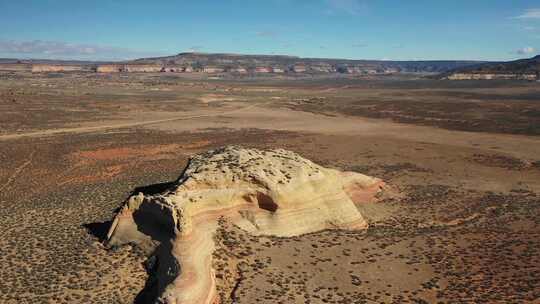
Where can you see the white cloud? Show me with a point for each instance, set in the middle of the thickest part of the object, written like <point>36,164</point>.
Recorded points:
<point>64,50</point>
<point>352,7</point>
<point>533,13</point>
<point>525,51</point>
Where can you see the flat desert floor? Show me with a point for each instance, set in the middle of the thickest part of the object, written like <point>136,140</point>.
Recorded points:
<point>465,157</point>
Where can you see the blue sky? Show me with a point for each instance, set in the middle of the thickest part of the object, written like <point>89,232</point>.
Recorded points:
<point>356,29</point>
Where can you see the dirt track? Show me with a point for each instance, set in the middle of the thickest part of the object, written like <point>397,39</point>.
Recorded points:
<point>105,126</point>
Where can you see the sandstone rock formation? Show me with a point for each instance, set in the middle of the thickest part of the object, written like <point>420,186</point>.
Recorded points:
<point>212,69</point>
<point>130,68</point>
<point>263,70</point>
<point>521,69</point>
<point>274,192</point>
<point>41,68</point>
<point>492,76</point>
<point>109,68</point>
<point>299,68</point>
<point>241,64</point>
<point>143,68</point>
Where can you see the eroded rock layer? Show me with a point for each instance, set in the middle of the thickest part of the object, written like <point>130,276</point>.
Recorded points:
<point>273,192</point>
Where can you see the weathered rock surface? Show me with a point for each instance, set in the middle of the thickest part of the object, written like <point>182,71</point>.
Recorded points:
<point>273,192</point>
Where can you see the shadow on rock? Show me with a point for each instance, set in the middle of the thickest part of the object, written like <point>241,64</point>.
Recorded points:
<point>161,266</point>
<point>153,189</point>
<point>98,229</point>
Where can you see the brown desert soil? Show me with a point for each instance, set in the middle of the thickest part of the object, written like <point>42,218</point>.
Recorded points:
<point>464,156</point>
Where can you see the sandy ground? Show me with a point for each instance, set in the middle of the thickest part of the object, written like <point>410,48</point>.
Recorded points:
<point>466,230</point>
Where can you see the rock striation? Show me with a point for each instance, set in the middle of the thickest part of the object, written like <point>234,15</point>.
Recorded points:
<point>275,192</point>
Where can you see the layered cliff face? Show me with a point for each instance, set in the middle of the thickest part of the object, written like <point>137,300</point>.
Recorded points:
<point>143,68</point>
<point>492,76</point>
<point>275,192</point>
<point>522,69</point>
<point>301,65</point>
<point>242,64</point>
<point>133,68</point>
<point>109,68</point>
<point>40,68</point>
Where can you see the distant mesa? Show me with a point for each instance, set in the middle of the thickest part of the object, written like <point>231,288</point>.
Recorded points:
<point>523,69</point>
<point>238,64</point>
<point>274,193</point>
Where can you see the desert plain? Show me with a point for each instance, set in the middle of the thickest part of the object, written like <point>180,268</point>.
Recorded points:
<point>462,156</point>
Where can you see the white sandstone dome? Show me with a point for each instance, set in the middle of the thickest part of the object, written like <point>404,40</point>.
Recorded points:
<point>275,192</point>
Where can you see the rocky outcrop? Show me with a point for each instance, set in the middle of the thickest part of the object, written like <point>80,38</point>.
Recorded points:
<point>213,69</point>
<point>354,70</point>
<point>299,68</point>
<point>239,70</point>
<point>322,68</point>
<point>241,64</point>
<point>274,192</point>
<point>491,76</point>
<point>281,64</point>
<point>110,68</point>
<point>264,70</point>
<point>40,68</point>
<point>522,69</point>
<point>143,68</point>
<point>132,68</point>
